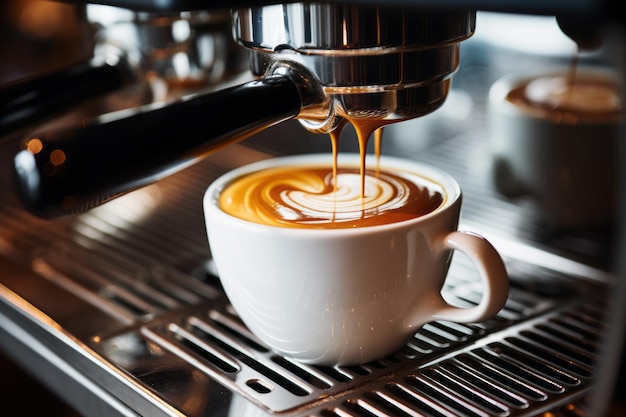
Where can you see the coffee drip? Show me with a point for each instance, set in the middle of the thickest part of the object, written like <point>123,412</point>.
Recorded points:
<point>341,196</point>
<point>364,129</point>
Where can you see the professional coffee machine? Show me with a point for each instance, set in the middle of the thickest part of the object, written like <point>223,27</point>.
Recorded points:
<point>108,295</point>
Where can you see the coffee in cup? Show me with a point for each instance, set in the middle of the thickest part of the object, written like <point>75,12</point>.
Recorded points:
<point>323,275</point>
<point>323,197</point>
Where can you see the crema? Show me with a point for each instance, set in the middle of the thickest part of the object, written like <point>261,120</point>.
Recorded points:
<point>322,197</point>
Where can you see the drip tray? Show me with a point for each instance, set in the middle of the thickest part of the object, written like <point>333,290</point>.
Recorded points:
<point>447,368</point>
<point>120,312</point>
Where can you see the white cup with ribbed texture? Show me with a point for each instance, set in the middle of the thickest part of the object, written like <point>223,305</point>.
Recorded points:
<point>344,296</point>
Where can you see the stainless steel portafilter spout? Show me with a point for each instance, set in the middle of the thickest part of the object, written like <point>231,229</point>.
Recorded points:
<point>378,62</point>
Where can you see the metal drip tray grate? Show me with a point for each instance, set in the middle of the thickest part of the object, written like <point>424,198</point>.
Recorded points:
<point>528,366</point>
<point>128,296</point>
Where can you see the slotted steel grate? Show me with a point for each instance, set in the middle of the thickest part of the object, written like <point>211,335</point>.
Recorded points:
<point>141,310</point>
<point>531,365</point>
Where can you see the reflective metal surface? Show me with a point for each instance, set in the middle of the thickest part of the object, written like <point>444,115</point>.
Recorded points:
<point>119,311</point>
<point>374,62</point>
<point>124,303</point>
<point>186,49</point>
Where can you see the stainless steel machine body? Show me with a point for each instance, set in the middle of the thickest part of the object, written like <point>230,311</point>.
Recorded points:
<point>373,62</point>
<point>119,310</point>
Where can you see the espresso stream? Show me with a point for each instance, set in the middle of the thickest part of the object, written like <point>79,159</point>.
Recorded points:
<point>332,196</point>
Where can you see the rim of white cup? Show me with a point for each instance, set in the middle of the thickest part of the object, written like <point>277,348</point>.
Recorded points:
<point>450,185</point>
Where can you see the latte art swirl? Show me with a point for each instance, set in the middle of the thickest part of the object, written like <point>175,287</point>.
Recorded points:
<point>299,196</point>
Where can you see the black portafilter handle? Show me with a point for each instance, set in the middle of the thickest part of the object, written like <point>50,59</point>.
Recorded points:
<point>70,171</point>
<point>30,100</point>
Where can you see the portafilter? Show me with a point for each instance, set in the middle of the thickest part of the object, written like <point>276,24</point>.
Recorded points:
<point>316,62</point>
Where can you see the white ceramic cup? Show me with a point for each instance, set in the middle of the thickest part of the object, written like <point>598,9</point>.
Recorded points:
<point>347,296</point>
<point>567,167</point>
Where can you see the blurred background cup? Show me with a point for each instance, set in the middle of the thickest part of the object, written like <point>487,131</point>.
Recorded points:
<point>554,141</point>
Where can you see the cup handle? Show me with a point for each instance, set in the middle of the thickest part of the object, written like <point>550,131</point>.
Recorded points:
<point>493,277</point>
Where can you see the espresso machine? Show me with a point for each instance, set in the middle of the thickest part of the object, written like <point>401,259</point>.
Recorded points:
<point>108,294</point>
